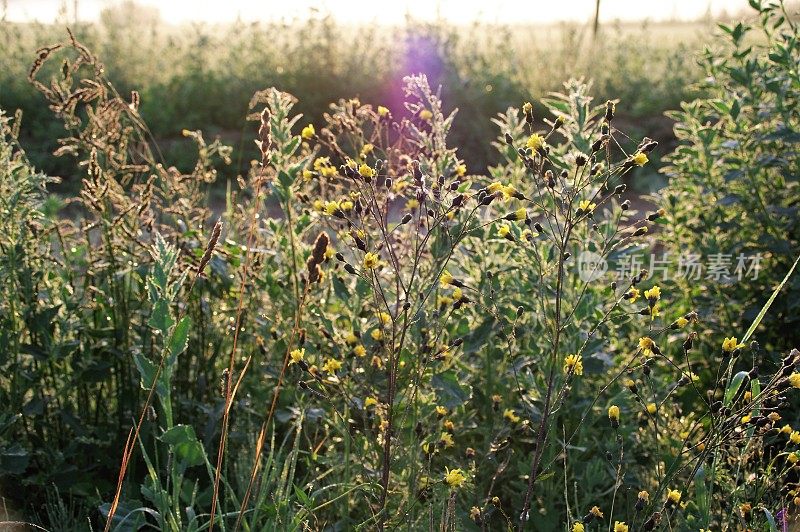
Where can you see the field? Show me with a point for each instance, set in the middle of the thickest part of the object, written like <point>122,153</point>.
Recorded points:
<point>313,276</point>
<point>202,76</point>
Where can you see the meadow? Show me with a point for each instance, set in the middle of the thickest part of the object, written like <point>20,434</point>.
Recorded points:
<point>308,276</point>
<point>202,76</point>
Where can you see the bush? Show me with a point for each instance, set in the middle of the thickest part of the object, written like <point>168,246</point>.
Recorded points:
<point>734,187</point>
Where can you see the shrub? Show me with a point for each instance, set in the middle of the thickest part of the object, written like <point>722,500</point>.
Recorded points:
<point>734,189</point>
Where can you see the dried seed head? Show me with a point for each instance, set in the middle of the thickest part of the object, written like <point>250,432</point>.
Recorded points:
<point>264,141</point>
<point>212,243</point>
<point>320,246</point>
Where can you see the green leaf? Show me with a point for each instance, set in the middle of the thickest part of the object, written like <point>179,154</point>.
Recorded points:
<point>340,289</point>
<point>179,339</point>
<point>285,180</point>
<point>183,442</point>
<point>773,527</point>
<point>449,392</point>
<point>301,496</point>
<point>735,108</point>
<point>733,386</point>
<point>765,308</point>
<point>160,318</point>
<point>147,371</point>
<point>291,146</point>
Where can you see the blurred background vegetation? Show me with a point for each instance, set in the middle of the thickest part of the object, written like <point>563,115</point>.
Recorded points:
<point>202,76</point>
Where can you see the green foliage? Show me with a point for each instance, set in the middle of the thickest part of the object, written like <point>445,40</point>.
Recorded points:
<point>373,336</point>
<point>734,177</point>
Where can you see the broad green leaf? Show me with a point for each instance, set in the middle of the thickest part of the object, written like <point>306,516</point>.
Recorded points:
<point>733,386</point>
<point>160,318</point>
<point>183,442</point>
<point>179,339</point>
<point>449,392</point>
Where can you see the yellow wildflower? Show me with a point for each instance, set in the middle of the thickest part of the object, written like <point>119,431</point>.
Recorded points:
<point>620,526</point>
<point>586,206</point>
<point>794,379</point>
<point>613,415</point>
<point>646,344</point>
<point>639,159</point>
<point>503,230</point>
<point>376,335</point>
<point>331,207</point>
<point>426,115</point>
<point>573,363</point>
<point>495,187</point>
<point>297,355</point>
<point>651,408</point>
<point>511,416</point>
<point>446,439</point>
<point>731,344</point>
<point>370,401</point>
<point>308,132</point>
<point>652,295</point>
<point>360,351</point>
<point>535,142</point>
<point>446,278</point>
<point>383,111</point>
<point>371,260</point>
<point>454,478</point>
<point>366,170</point>
<point>673,496</point>
<point>632,295</point>
<point>331,366</point>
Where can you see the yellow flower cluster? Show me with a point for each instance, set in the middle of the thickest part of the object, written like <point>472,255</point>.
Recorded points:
<point>613,415</point>
<point>323,166</point>
<point>639,159</point>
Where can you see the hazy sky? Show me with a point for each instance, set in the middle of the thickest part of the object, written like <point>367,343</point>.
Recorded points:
<point>392,11</point>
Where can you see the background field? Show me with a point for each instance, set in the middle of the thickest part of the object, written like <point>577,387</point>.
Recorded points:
<point>201,76</point>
